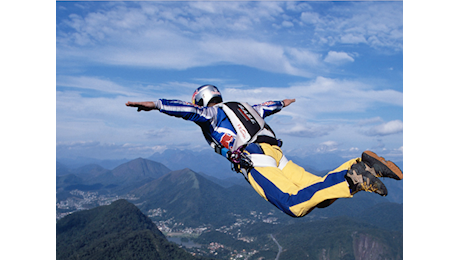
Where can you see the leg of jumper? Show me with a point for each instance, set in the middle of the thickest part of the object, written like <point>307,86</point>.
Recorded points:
<point>294,190</point>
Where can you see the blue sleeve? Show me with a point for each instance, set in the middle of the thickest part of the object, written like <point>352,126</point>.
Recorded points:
<point>268,108</point>
<point>186,110</point>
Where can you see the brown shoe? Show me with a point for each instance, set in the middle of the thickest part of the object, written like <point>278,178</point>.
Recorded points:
<point>361,180</point>
<point>380,167</point>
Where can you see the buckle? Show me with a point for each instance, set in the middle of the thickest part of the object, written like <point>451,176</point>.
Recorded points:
<point>240,160</point>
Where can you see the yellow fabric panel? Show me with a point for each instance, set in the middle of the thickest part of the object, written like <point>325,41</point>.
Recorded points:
<point>299,176</point>
<point>347,165</point>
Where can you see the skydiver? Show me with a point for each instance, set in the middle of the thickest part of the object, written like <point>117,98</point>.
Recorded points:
<point>238,132</point>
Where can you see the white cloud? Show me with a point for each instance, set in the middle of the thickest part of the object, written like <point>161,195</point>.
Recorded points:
<point>308,130</point>
<point>300,56</point>
<point>320,96</point>
<point>297,6</point>
<point>159,132</point>
<point>325,95</point>
<point>265,56</point>
<point>353,149</point>
<point>166,49</point>
<point>388,128</point>
<point>287,24</point>
<point>328,146</point>
<point>353,38</point>
<point>338,57</point>
<point>102,150</point>
<point>310,17</point>
<point>369,121</point>
<point>92,83</point>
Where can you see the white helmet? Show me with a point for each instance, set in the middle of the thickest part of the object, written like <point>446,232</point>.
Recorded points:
<point>205,95</point>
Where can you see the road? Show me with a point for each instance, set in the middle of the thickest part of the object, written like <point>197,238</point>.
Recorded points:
<point>280,248</point>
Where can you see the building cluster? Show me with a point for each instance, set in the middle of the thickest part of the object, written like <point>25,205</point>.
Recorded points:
<point>214,246</point>
<point>82,200</point>
<point>156,212</point>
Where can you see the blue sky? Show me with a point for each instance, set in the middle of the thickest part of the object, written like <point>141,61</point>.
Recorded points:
<point>342,61</point>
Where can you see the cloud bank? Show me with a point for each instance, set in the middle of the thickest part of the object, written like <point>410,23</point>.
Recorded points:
<point>175,35</point>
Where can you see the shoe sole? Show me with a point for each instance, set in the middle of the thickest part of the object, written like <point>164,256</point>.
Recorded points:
<point>396,172</point>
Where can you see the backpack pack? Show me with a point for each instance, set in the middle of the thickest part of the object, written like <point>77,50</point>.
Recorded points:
<point>248,124</point>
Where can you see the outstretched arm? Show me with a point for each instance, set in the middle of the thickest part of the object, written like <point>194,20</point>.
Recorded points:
<point>271,107</point>
<point>176,108</point>
<point>146,105</point>
<point>287,102</point>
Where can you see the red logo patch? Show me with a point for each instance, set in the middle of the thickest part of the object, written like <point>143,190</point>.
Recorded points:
<point>225,140</point>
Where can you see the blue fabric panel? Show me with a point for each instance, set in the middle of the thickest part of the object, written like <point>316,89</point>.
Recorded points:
<point>254,148</point>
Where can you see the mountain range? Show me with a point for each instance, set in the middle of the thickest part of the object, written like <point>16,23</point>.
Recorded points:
<point>216,169</point>
<point>121,179</point>
<point>191,197</point>
<point>176,159</point>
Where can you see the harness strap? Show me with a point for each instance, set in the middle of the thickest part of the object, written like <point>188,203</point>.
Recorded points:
<point>283,162</point>
<point>268,140</point>
<point>262,160</point>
